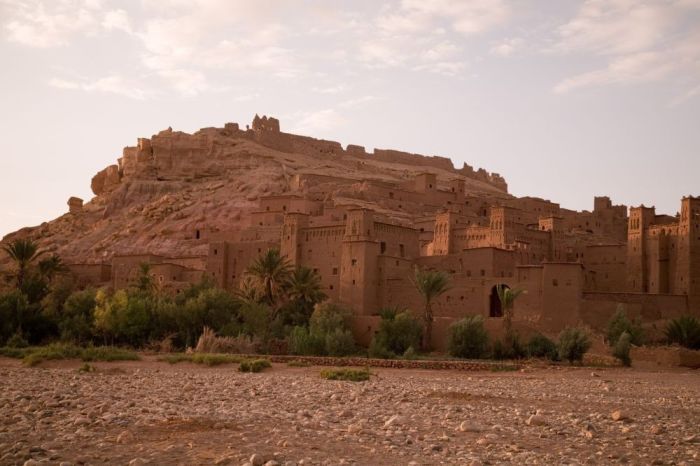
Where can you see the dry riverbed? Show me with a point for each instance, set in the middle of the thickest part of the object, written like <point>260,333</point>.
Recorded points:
<point>149,412</point>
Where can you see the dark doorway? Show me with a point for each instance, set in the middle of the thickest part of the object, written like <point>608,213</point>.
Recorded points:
<point>495,308</point>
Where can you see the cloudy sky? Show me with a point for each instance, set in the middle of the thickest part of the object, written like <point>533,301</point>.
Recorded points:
<point>567,99</point>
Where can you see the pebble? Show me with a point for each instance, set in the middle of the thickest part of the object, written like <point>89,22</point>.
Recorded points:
<point>292,417</point>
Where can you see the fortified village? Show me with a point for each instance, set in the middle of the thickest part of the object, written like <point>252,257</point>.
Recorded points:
<point>209,203</point>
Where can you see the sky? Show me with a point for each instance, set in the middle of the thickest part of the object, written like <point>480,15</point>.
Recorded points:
<point>567,99</point>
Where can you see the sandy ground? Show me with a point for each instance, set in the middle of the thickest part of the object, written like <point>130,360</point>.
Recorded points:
<point>152,412</point>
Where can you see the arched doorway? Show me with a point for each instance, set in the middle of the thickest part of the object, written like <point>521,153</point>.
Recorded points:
<point>495,308</point>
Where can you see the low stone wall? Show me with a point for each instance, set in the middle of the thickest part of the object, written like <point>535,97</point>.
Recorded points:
<point>668,356</point>
<point>392,363</point>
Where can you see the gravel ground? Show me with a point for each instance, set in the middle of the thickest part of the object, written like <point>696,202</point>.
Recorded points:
<point>149,412</point>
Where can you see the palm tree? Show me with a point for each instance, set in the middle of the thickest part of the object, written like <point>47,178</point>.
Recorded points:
<point>52,266</point>
<point>431,284</point>
<point>507,296</point>
<point>271,271</point>
<point>23,252</point>
<point>248,291</point>
<point>304,285</point>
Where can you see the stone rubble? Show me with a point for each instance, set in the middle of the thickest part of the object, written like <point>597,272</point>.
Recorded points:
<point>151,413</point>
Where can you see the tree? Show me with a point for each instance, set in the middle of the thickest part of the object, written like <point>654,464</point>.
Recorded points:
<point>271,271</point>
<point>305,286</point>
<point>431,284</point>
<point>507,296</point>
<point>144,281</point>
<point>303,292</point>
<point>23,252</point>
<point>51,266</point>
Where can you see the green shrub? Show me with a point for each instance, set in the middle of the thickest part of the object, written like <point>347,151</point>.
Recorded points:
<point>52,352</point>
<point>573,344</point>
<point>208,359</point>
<point>87,368</point>
<point>298,363</point>
<point>76,320</point>
<point>397,332</point>
<point>540,346</point>
<point>468,338</point>
<point>254,365</point>
<point>684,331</point>
<point>622,349</point>
<point>499,351</point>
<point>303,342</point>
<point>56,351</point>
<point>351,375</point>
<point>378,351</point>
<point>410,353</point>
<point>340,343</point>
<point>17,341</point>
<point>328,333</point>
<point>107,353</point>
<point>15,353</point>
<point>214,359</point>
<point>620,323</point>
<point>509,348</point>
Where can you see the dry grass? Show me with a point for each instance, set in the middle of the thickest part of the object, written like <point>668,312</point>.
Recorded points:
<point>209,342</point>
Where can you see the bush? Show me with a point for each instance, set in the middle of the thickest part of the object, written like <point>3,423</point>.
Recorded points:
<point>35,355</point>
<point>350,375</point>
<point>397,332</point>
<point>410,353</point>
<point>17,341</point>
<point>107,353</point>
<point>304,343</point>
<point>620,323</point>
<point>87,368</point>
<point>468,338</point>
<point>573,344</point>
<point>509,348</point>
<point>340,343</point>
<point>76,320</point>
<point>298,363</point>
<point>254,365</point>
<point>209,342</point>
<point>378,351</point>
<point>622,349</point>
<point>684,331</point>
<point>208,359</point>
<point>540,346</point>
<point>328,334</point>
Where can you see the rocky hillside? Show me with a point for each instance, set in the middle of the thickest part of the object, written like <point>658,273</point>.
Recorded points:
<point>169,186</point>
